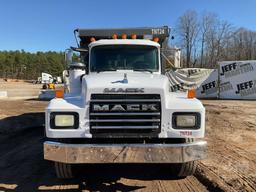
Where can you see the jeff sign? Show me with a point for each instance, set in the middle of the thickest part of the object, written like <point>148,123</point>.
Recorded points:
<point>237,79</point>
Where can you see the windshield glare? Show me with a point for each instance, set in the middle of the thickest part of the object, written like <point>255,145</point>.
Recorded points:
<point>124,57</point>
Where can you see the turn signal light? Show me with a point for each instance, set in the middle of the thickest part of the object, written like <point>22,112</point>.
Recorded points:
<point>124,36</point>
<point>59,93</point>
<point>191,93</point>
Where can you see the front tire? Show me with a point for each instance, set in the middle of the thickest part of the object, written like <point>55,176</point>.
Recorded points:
<point>63,170</point>
<point>187,169</point>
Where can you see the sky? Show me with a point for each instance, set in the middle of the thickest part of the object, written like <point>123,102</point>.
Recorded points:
<point>47,25</point>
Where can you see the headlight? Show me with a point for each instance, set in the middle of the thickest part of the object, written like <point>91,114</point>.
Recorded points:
<point>186,120</point>
<point>64,120</point>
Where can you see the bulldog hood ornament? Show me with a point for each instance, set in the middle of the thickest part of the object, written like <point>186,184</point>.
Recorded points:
<point>125,80</point>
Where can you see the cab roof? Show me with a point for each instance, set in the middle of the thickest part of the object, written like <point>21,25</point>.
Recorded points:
<point>124,42</point>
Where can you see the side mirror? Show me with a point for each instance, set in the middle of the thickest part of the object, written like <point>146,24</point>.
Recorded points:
<point>68,56</point>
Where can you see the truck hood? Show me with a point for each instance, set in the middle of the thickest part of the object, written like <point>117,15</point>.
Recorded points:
<point>150,83</point>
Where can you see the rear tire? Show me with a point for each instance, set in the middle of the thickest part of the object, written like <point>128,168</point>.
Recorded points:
<point>63,170</point>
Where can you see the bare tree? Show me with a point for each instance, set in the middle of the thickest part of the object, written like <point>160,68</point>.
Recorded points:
<point>208,20</point>
<point>217,38</point>
<point>244,42</point>
<point>207,40</point>
<point>188,28</point>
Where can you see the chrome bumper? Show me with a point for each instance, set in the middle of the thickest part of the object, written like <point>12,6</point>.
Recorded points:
<point>124,153</point>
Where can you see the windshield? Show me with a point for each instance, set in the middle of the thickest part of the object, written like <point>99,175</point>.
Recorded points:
<point>124,57</point>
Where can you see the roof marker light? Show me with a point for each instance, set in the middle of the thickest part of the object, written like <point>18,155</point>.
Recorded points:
<point>124,36</point>
<point>134,36</point>
<point>92,39</point>
<point>114,36</point>
<point>156,39</point>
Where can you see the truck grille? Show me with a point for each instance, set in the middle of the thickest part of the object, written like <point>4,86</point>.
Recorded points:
<point>124,114</point>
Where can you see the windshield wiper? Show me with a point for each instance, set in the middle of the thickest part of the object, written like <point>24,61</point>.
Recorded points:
<point>143,70</point>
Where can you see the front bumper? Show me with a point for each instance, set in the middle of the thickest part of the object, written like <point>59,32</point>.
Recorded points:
<point>124,153</point>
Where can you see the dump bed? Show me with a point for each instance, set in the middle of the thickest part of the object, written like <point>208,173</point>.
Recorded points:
<point>162,33</point>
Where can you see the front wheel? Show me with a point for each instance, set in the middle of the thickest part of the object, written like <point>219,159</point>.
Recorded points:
<point>63,170</point>
<point>187,169</point>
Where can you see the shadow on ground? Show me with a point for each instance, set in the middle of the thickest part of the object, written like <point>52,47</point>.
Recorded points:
<point>24,169</point>
<point>41,177</point>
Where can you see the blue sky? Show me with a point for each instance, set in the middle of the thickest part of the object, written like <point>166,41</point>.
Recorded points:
<point>42,25</point>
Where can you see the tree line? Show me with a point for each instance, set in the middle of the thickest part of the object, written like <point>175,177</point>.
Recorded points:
<point>26,65</point>
<point>205,39</point>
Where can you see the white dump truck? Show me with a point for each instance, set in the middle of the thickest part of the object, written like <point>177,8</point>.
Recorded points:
<point>119,107</point>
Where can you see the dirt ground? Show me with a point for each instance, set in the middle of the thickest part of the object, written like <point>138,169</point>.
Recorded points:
<point>230,166</point>
<point>20,89</point>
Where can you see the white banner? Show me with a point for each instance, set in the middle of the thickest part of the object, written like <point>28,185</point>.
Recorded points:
<point>184,79</point>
